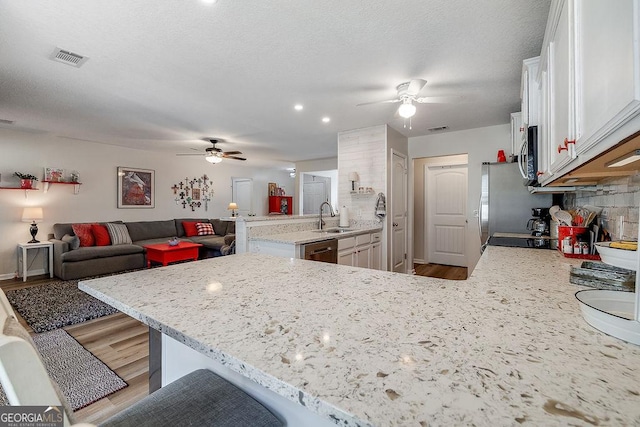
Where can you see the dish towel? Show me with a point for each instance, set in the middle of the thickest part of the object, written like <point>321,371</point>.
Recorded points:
<point>381,206</point>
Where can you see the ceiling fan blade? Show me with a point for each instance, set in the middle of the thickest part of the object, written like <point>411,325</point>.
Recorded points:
<point>234,157</point>
<point>438,99</point>
<point>415,86</point>
<point>183,154</point>
<point>232,152</point>
<point>388,101</point>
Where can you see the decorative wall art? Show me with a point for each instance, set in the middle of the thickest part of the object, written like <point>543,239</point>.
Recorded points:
<point>273,188</point>
<point>195,193</point>
<point>136,188</point>
<point>54,174</point>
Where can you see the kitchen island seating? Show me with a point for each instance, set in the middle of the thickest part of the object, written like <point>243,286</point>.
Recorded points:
<point>200,398</point>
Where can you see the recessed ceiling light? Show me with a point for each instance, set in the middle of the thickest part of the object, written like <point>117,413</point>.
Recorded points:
<point>298,107</point>
<point>209,1</point>
<point>326,120</point>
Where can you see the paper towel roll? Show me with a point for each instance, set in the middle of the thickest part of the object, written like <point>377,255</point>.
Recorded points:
<point>344,217</point>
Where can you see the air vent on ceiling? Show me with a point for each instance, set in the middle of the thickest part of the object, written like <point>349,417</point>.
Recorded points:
<point>68,58</point>
<point>6,122</point>
<point>439,128</point>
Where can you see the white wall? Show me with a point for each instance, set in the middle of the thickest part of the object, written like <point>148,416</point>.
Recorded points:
<point>97,165</point>
<point>481,145</point>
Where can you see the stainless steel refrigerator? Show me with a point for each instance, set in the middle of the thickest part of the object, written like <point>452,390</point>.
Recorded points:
<point>505,203</point>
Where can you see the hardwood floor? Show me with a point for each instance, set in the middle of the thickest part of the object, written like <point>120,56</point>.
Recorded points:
<point>120,341</point>
<point>441,271</point>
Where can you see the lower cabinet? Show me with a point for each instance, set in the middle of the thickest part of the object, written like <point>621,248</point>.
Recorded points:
<point>364,251</point>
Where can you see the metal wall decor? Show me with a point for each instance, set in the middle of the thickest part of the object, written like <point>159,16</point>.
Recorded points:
<point>195,193</point>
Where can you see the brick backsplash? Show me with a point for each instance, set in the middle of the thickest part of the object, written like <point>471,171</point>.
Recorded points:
<point>618,198</point>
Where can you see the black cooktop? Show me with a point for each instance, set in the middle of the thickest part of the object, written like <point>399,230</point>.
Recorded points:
<point>520,242</point>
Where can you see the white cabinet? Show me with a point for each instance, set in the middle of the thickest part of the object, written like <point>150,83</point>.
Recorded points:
<point>607,69</point>
<point>517,131</point>
<point>589,79</point>
<point>530,92</point>
<point>560,87</point>
<point>364,251</point>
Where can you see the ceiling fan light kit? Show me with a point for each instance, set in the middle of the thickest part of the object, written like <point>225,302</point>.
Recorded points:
<point>212,158</point>
<point>407,109</point>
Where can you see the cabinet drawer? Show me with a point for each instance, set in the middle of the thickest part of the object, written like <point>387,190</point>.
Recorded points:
<point>346,243</point>
<point>376,237</point>
<point>363,239</point>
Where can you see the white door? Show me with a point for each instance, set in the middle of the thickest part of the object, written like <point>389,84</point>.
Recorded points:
<point>314,193</point>
<point>446,210</point>
<point>242,194</point>
<point>398,203</point>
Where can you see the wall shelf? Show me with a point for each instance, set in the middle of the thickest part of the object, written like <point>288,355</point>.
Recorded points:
<point>76,185</point>
<point>26,190</point>
<point>362,193</point>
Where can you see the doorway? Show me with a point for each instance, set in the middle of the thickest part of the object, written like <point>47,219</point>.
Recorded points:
<point>317,187</point>
<point>242,194</point>
<point>399,206</point>
<point>445,209</point>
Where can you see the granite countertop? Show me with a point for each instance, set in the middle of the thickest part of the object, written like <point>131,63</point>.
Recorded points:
<point>364,347</point>
<point>309,236</point>
<point>275,217</point>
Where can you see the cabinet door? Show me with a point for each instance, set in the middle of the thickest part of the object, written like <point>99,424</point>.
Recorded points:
<point>346,257</point>
<point>607,74</point>
<point>561,90</point>
<point>516,133</point>
<point>376,256</point>
<point>361,258</point>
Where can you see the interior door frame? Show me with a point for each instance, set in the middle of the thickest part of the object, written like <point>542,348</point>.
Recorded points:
<point>234,190</point>
<point>405,187</point>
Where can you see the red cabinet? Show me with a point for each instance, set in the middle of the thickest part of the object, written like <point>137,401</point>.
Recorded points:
<point>281,204</point>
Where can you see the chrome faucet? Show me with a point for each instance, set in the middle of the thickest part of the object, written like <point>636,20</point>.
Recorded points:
<point>321,222</point>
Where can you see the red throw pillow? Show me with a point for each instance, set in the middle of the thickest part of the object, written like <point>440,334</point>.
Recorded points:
<point>83,231</point>
<point>204,229</point>
<point>190,229</point>
<point>101,234</point>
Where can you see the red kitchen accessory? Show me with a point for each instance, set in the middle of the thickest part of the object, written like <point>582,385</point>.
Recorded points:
<point>501,157</point>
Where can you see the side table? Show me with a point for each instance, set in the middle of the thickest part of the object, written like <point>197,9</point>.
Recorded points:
<point>23,249</point>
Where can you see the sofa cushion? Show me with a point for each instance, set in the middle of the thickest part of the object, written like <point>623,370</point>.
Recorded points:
<point>101,234</point>
<point>85,253</point>
<point>210,242</point>
<point>204,229</point>
<point>119,234</point>
<point>190,228</point>
<point>180,229</point>
<point>83,231</point>
<point>157,241</point>
<point>219,226</point>
<point>144,230</point>
<point>231,227</point>
<point>73,241</point>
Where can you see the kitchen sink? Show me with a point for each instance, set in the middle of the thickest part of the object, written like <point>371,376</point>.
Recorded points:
<point>333,230</point>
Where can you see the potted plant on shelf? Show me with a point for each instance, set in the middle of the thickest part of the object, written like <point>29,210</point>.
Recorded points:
<point>26,180</point>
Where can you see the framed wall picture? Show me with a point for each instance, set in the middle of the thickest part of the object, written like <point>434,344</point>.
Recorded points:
<point>54,174</point>
<point>136,188</point>
<point>195,194</point>
<point>273,188</point>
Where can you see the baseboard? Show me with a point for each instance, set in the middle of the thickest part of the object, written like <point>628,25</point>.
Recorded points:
<point>419,261</point>
<point>31,273</point>
<point>7,276</point>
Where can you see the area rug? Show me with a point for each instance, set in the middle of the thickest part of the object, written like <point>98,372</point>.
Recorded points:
<point>82,377</point>
<point>56,304</point>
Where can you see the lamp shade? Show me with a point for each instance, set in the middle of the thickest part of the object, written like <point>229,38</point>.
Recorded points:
<point>212,158</point>
<point>232,206</point>
<point>32,215</point>
<point>407,109</point>
<point>353,176</point>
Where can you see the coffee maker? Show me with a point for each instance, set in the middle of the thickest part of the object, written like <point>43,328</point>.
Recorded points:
<point>539,226</point>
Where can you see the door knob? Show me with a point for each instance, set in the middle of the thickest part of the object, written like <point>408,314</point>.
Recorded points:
<point>395,224</point>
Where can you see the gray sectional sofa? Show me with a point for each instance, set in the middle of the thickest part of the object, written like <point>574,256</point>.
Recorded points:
<point>88,261</point>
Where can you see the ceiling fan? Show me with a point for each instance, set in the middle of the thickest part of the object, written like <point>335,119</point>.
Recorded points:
<point>214,154</point>
<point>408,94</point>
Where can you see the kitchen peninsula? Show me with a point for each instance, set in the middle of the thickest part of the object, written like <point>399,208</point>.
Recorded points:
<point>360,347</point>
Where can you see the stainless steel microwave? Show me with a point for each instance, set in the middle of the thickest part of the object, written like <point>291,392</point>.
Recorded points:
<point>528,159</point>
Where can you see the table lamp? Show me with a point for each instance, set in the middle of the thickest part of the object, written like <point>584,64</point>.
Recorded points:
<point>232,207</point>
<point>353,177</point>
<point>33,215</point>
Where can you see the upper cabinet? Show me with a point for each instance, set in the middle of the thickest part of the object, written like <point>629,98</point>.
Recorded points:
<point>530,92</point>
<point>607,74</point>
<point>589,81</point>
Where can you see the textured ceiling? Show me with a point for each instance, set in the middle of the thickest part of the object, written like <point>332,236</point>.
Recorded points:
<point>162,75</point>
